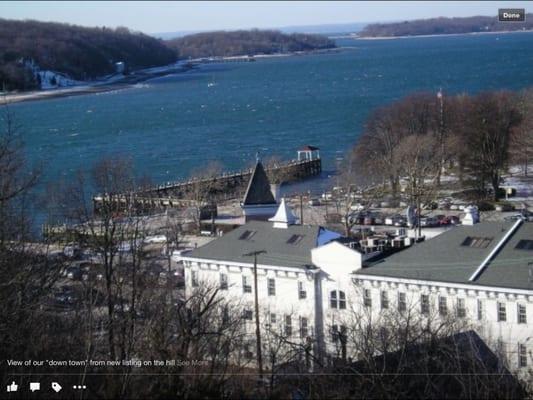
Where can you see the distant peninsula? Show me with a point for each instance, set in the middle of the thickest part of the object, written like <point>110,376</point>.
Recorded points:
<point>246,42</point>
<point>45,55</point>
<point>443,26</point>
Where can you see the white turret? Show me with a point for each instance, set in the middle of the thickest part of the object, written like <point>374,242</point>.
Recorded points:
<point>284,216</point>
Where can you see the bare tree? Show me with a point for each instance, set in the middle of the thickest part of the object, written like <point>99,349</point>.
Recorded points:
<point>492,117</point>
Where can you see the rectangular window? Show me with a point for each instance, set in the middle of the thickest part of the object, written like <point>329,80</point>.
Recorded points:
<point>246,285</point>
<point>443,305</point>
<point>424,304</point>
<point>223,282</point>
<point>402,302</point>
<point>384,300</point>
<point>271,287</point>
<point>461,308</point>
<point>480,310</point>
<point>502,312</point>
<point>334,333</point>
<point>477,242</point>
<point>302,294</point>
<point>273,318</point>
<point>247,235</point>
<point>522,316</point>
<point>288,325</point>
<point>367,298</point>
<point>333,299</point>
<point>194,278</point>
<point>524,245</point>
<point>303,327</point>
<point>522,355</point>
<point>248,315</point>
<point>342,300</point>
<point>295,239</point>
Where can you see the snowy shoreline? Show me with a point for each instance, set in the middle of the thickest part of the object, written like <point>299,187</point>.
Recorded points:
<point>115,82</point>
<point>118,82</point>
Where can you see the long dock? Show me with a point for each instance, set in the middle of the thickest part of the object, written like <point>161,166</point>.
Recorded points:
<point>227,186</point>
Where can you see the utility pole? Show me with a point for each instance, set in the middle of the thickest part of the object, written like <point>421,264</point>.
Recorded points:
<point>257,328</point>
<point>301,210</point>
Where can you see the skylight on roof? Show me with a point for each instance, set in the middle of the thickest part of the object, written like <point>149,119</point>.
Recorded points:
<point>477,242</point>
<point>295,239</point>
<point>524,244</point>
<point>247,235</point>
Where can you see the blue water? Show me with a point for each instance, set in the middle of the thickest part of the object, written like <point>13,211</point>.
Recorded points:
<point>172,125</point>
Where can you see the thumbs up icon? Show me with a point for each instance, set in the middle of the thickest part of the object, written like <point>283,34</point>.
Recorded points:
<point>13,387</point>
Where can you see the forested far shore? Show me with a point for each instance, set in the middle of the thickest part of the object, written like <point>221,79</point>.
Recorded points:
<point>44,55</point>
<point>246,42</point>
<point>30,47</point>
<point>440,26</point>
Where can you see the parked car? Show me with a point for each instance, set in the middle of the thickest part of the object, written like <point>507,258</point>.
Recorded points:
<point>314,202</point>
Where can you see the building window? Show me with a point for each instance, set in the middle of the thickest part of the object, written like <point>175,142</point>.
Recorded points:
<point>303,327</point>
<point>402,302</point>
<point>295,239</point>
<point>461,308</point>
<point>480,311</point>
<point>333,299</point>
<point>502,312</point>
<point>477,242</point>
<point>424,304</point>
<point>443,305</point>
<point>247,315</point>
<point>338,333</point>
<point>247,235</point>
<point>337,299</point>
<point>288,325</point>
<point>522,316</point>
<point>273,318</point>
<point>367,298</point>
<point>246,285</point>
<point>194,278</point>
<point>342,300</point>
<point>271,286</point>
<point>302,294</point>
<point>522,355</point>
<point>223,282</point>
<point>384,300</point>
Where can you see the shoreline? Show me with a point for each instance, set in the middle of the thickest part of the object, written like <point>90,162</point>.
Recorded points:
<point>129,81</point>
<point>433,35</point>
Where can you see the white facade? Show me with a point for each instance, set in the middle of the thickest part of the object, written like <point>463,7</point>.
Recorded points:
<point>333,290</point>
<point>508,333</point>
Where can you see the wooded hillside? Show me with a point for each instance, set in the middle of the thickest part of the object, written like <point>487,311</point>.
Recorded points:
<point>248,42</point>
<point>80,52</point>
<point>437,26</point>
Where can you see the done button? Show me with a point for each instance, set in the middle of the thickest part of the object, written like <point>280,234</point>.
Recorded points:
<point>512,14</point>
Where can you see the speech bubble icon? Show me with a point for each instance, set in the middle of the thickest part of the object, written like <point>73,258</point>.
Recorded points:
<point>35,386</point>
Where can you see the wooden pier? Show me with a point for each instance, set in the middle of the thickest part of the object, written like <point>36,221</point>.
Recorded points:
<point>226,186</point>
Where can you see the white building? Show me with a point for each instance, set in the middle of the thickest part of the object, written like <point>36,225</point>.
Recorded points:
<point>480,273</point>
<point>310,285</point>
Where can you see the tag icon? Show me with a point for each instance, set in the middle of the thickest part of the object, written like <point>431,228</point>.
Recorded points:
<point>56,386</point>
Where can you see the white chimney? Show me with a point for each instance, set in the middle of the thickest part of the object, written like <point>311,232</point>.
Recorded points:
<point>471,215</point>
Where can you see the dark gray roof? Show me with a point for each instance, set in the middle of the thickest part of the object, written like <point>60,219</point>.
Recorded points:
<point>258,190</point>
<point>445,259</point>
<point>273,240</point>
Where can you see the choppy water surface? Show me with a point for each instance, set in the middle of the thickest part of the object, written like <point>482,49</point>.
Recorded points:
<point>175,124</point>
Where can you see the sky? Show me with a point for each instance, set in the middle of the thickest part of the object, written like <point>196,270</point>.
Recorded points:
<point>170,16</point>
